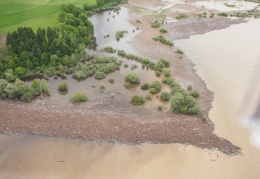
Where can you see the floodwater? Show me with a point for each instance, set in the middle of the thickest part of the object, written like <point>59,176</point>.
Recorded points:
<point>225,59</point>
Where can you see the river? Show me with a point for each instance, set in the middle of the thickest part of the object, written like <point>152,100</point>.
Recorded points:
<point>225,59</point>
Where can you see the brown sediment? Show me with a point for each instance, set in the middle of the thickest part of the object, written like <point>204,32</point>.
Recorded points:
<point>116,119</point>
<point>110,126</point>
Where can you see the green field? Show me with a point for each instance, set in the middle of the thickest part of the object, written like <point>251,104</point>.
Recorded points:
<point>32,13</point>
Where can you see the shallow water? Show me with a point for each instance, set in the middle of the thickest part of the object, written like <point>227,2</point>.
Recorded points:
<point>225,60</point>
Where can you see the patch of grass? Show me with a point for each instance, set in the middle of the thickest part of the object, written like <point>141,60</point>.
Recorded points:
<point>163,31</point>
<point>181,16</point>
<point>179,51</point>
<point>160,108</point>
<point>120,34</point>
<point>111,80</point>
<point>223,14</point>
<point>145,86</point>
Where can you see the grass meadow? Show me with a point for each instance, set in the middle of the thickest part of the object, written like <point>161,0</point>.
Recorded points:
<point>32,13</point>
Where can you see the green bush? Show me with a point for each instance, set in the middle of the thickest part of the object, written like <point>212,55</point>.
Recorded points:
<point>195,94</point>
<point>127,85</point>
<point>120,34</point>
<point>185,104</point>
<point>27,96</point>
<point>166,72</point>
<point>158,73</point>
<point>36,88</point>
<point>160,108</point>
<point>137,100</point>
<point>164,96</point>
<point>100,75</point>
<point>223,14</point>
<point>163,40</point>
<point>169,81</point>
<point>109,50</point>
<point>111,80</point>
<point>132,77</point>
<point>45,87</point>
<point>149,96</point>
<point>78,97</point>
<point>179,51</point>
<point>63,87</point>
<point>189,88</point>
<point>163,31</point>
<point>145,86</point>
<point>181,16</point>
<point>155,24</point>
<point>155,87</point>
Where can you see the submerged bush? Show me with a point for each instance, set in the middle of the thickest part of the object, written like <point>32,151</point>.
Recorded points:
<point>78,97</point>
<point>137,100</point>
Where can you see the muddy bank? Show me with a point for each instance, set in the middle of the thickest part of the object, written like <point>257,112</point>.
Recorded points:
<point>110,126</point>
<point>188,27</point>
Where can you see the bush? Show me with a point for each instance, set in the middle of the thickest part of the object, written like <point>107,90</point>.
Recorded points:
<point>164,96</point>
<point>163,31</point>
<point>223,14</point>
<point>163,40</point>
<point>137,100</point>
<point>155,87</point>
<point>195,94</point>
<point>155,24</point>
<point>169,81</point>
<point>145,86</point>
<point>132,77</point>
<point>158,73</point>
<point>160,108</point>
<point>111,80</point>
<point>100,75</point>
<point>109,50</point>
<point>45,87</point>
<point>36,87</point>
<point>63,87</point>
<point>149,96</point>
<point>120,34</point>
<point>181,16</point>
<point>189,88</point>
<point>185,104</point>
<point>78,97</point>
<point>166,72</point>
<point>127,85</point>
<point>101,86</point>
<point>179,51</point>
<point>125,65</point>
<point>27,97</point>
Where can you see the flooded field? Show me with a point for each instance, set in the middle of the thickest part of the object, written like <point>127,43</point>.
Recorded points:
<point>225,59</point>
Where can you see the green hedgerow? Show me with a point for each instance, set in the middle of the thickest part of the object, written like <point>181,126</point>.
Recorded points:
<point>137,100</point>
<point>78,97</point>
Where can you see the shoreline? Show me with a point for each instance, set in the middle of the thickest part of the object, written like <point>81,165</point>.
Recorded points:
<point>112,124</point>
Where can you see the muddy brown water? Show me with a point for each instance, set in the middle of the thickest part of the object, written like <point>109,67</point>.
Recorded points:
<point>225,60</point>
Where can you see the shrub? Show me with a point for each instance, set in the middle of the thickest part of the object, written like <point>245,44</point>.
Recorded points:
<point>166,72</point>
<point>163,40</point>
<point>155,87</point>
<point>179,51</point>
<point>132,77</point>
<point>120,34</point>
<point>169,81</point>
<point>177,89</point>
<point>189,88</point>
<point>127,85</point>
<point>101,86</point>
<point>181,16</point>
<point>125,65</point>
<point>111,80</point>
<point>163,31</point>
<point>160,108</point>
<point>185,104</point>
<point>45,87</point>
<point>36,87</point>
<point>149,97</point>
<point>155,24</point>
<point>27,97</point>
<point>158,73</point>
<point>63,87</point>
<point>164,96</point>
<point>78,97</point>
<point>223,14</point>
<point>100,75</point>
<point>109,49</point>
<point>137,100</point>
<point>195,94</point>
<point>145,86</point>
